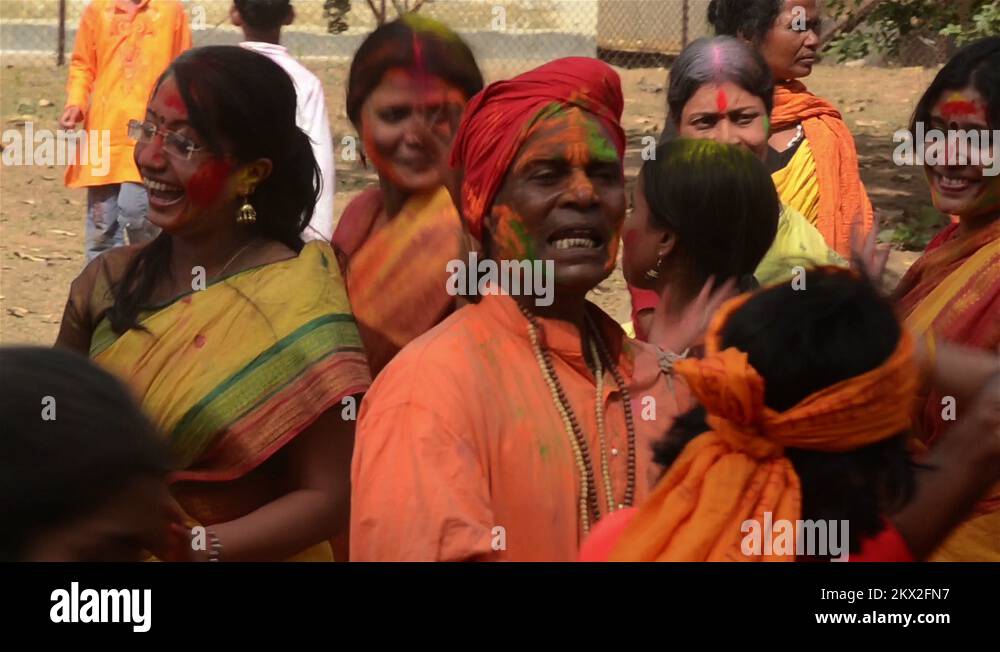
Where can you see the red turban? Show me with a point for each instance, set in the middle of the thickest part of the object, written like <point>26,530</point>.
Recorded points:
<point>497,121</point>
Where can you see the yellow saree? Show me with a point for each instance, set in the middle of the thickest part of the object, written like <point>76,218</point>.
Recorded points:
<point>797,243</point>
<point>798,185</point>
<point>234,372</point>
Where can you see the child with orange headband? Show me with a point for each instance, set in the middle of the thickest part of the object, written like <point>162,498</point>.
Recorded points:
<point>801,421</point>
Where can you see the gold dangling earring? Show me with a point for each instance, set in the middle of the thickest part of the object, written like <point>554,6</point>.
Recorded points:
<point>654,273</point>
<point>247,214</point>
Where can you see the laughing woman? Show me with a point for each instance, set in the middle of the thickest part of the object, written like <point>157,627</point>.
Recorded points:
<point>811,152</point>
<point>236,337</point>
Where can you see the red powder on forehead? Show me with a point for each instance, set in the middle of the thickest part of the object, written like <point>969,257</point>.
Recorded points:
<point>721,101</point>
<point>174,101</point>
<point>960,108</point>
<point>419,65</point>
<point>208,182</point>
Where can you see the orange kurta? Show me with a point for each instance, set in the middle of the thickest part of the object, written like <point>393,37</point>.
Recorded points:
<point>459,436</point>
<point>121,49</point>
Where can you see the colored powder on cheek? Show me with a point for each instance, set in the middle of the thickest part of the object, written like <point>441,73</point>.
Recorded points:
<point>208,182</point>
<point>767,125</point>
<point>512,235</point>
<point>630,240</point>
<point>613,250</point>
<point>371,151</point>
<point>721,101</point>
<point>527,247</point>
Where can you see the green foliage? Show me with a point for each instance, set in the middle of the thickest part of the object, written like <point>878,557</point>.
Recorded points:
<point>914,232</point>
<point>985,22</point>
<point>892,21</point>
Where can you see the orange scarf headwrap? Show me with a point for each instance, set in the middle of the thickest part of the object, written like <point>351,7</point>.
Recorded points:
<point>842,196</point>
<point>737,471</point>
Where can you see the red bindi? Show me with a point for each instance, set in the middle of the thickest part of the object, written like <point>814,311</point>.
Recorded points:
<point>721,101</point>
<point>173,100</point>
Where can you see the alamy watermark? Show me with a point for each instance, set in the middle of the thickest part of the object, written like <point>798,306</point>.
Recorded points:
<point>954,147</point>
<point>800,538</point>
<point>59,147</point>
<point>532,278</point>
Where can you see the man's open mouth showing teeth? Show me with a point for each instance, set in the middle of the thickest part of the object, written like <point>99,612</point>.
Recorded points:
<point>573,243</point>
<point>163,191</point>
<point>576,239</point>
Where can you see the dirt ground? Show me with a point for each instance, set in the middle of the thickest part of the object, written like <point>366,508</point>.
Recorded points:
<point>41,221</point>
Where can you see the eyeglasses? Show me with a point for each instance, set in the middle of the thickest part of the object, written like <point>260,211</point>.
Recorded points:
<point>174,144</point>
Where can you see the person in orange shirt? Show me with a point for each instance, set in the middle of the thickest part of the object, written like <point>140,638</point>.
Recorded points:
<point>511,428</point>
<point>121,48</point>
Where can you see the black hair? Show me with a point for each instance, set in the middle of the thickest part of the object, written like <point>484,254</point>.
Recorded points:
<point>408,42</point>
<point>242,104</point>
<point>716,60</point>
<point>748,19</point>
<point>53,470</point>
<point>801,342</point>
<point>976,64</point>
<point>721,203</point>
<point>263,14</point>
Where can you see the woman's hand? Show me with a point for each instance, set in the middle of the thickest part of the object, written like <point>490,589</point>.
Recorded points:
<point>678,331</point>
<point>180,540</point>
<point>868,255</point>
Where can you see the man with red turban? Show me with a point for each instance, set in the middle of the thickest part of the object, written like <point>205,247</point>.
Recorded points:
<point>508,430</point>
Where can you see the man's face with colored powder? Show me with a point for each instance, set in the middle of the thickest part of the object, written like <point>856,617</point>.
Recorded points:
<point>964,190</point>
<point>563,199</point>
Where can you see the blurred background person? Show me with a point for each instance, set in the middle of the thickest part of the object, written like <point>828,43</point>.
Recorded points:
<point>122,47</point>
<point>82,470</point>
<point>261,22</point>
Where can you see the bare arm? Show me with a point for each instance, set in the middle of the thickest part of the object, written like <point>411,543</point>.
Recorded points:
<point>315,508</point>
<point>957,370</point>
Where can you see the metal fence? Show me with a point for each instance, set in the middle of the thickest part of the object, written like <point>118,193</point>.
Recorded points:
<point>513,33</point>
<point>509,35</point>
